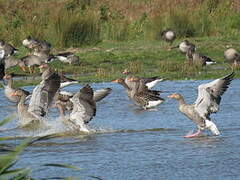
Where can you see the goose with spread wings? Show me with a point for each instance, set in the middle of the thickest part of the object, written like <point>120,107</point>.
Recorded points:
<point>84,109</point>
<point>208,101</point>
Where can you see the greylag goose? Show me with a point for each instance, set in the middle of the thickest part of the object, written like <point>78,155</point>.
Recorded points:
<point>208,101</point>
<point>27,119</point>
<point>232,56</point>
<point>84,109</point>
<point>184,46</point>
<point>144,97</point>
<point>29,42</point>
<point>68,57</point>
<point>198,59</point>
<point>43,94</point>
<point>31,61</point>
<point>32,43</point>
<point>11,62</point>
<point>8,48</point>
<point>63,98</point>
<point>141,86</point>
<point>9,90</point>
<point>149,82</point>
<point>168,36</point>
<point>124,84</point>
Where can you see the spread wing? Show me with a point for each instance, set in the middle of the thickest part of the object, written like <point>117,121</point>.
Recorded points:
<point>98,95</point>
<point>209,95</point>
<point>84,108</point>
<point>43,95</point>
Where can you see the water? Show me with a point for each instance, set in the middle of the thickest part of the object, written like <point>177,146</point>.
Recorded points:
<point>133,144</point>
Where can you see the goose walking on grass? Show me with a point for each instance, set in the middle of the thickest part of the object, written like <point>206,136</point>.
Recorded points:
<point>198,59</point>
<point>184,46</point>
<point>232,56</point>
<point>9,90</point>
<point>208,101</point>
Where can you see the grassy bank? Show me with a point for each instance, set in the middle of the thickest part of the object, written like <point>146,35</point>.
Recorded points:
<point>110,35</point>
<point>75,23</point>
<point>107,60</point>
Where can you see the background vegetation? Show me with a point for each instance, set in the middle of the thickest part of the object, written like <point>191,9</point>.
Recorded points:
<point>74,23</point>
<point>110,35</point>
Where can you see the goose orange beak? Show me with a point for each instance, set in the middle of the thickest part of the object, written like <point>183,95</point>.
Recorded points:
<point>171,96</point>
<point>14,94</point>
<point>115,80</point>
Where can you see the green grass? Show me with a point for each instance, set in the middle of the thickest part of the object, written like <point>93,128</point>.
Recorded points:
<point>108,59</point>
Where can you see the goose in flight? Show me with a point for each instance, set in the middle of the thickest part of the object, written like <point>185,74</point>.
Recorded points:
<point>208,101</point>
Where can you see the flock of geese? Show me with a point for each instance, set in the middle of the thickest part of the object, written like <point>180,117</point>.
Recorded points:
<point>77,109</point>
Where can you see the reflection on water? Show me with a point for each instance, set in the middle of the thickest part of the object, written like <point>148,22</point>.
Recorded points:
<point>129,143</point>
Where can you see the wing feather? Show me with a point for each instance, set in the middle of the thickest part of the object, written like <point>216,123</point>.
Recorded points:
<point>209,95</point>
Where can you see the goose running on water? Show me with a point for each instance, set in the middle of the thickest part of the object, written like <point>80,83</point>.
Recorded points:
<point>84,109</point>
<point>27,119</point>
<point>208,101</point>
<point>144,97</point>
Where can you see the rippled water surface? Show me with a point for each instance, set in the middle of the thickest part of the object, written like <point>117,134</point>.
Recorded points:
<point>134,144</point>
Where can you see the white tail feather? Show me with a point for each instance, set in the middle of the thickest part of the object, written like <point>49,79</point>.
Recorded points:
<point>153,83</point>
<point>212,127</point>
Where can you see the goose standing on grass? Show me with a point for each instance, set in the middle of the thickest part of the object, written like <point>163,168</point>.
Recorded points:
<point>168,36</point>
<point>184,46</point>
<point>27,119</point>
<point>208,101</point>
<point>11,62</point>
<point>198,59</point>
<point>43,53</point>
<point>9,90</point>
<point>8,48</point>
<point>30,42</point>
<point>68,57</point>
<point>232,56</point>
<point>34,44</point>
<point>31,61</point>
